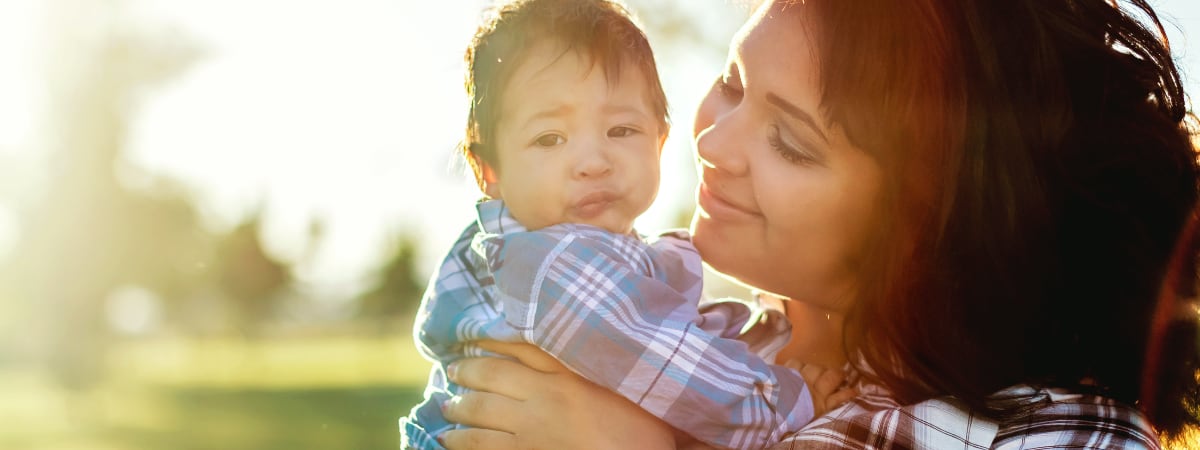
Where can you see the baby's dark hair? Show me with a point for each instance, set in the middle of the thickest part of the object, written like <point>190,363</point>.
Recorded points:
<point>603,30</point>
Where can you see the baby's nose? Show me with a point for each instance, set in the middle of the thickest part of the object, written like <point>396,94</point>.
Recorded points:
<point>593,163</point>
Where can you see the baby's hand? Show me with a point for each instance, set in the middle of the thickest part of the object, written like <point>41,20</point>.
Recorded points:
<point>825,385</point>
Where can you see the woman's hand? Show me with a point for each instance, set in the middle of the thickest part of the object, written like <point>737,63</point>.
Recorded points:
<point>537,403</point>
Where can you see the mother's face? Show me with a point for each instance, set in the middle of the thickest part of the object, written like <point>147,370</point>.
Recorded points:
<point>785,201</point>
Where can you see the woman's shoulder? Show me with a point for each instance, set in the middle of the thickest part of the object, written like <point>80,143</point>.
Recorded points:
<point>875,420</point>
<point>1066,420</point>
<point>1070,420</point>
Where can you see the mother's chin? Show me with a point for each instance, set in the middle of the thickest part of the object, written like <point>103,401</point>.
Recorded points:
<point>721,251</point>
<point>740,251</point>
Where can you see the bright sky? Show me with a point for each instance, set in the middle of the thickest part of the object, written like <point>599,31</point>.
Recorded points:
<point>340,111</point>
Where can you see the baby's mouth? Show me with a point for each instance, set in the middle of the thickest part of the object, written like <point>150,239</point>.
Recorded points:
<point>592,205</point>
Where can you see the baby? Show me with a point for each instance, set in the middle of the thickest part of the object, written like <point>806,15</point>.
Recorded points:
<point>564,135</point>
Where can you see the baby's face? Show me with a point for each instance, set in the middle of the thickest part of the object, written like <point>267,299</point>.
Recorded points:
<point>572,147</point>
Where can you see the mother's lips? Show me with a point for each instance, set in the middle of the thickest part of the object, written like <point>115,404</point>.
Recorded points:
<point>716,204</point>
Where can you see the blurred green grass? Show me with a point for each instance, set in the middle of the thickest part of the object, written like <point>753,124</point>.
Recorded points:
<point>294,393</point>
<point>316,392</point>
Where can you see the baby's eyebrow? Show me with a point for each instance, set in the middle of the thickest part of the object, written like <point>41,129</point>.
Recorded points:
<point>548,113</point>
<point>612,109</point>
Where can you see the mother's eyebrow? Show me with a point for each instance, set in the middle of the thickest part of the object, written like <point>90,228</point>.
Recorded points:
<point>798,113</point>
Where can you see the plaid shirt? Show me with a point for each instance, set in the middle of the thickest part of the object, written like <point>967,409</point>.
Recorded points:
<point>620,311</point>
<point>1069,421</point>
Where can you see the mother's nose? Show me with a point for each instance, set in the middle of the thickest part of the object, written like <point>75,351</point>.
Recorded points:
<point>721,142</point>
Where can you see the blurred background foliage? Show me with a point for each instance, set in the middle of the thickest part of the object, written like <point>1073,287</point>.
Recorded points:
<point>130,318</point>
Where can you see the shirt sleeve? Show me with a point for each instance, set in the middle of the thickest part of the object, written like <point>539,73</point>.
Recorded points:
<point>453,297</point>
<point>586,304</point>
<point>764,329</point>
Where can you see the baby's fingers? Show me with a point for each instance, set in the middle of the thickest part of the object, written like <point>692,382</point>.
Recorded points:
<point>825,386</point>
<point>841,397</point>
<point>828,381</point>
<point>820,380</point>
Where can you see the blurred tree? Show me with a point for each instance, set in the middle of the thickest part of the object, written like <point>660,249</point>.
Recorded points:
<point>249,277</point>
<point>88,234</point>
<point>157,242</point>
<point>100,225</point>
<point>681,25</point>
<point>397,289</point>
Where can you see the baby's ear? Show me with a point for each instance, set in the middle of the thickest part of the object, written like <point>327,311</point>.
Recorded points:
<point>662,138</point>
<point>490,179</point>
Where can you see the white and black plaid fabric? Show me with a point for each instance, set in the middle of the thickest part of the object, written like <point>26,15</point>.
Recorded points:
<point>1068,421</point>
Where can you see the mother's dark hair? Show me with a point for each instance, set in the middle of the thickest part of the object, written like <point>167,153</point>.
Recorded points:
<point>1038,179</point>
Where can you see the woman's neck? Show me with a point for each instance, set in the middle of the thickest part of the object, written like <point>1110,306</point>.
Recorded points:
<point>816,334</point>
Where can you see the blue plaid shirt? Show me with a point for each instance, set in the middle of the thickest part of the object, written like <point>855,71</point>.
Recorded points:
<point>623,312</point>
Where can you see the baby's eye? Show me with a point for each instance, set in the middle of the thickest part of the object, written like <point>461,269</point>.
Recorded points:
<point>621,132</point>
<point>550,140</point>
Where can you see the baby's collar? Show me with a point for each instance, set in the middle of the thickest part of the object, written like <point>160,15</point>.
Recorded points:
<point>494,218</point>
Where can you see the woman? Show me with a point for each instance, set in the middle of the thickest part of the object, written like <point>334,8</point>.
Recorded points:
<point>987,200</point>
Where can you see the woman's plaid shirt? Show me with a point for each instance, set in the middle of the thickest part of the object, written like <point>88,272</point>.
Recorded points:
<point>1065,421</point>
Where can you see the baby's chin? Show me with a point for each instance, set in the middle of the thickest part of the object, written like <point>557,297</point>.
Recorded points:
<point>610,221</point>
<point>624,227</point>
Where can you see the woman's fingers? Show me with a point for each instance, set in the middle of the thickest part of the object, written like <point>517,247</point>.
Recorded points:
<point>501,376</point>
<point>478,438</point>
<point>528,354</point>
<point>534,409</point>
<point>483,410</point>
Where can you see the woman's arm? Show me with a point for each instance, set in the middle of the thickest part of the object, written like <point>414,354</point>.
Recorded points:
<point>538,403</point>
